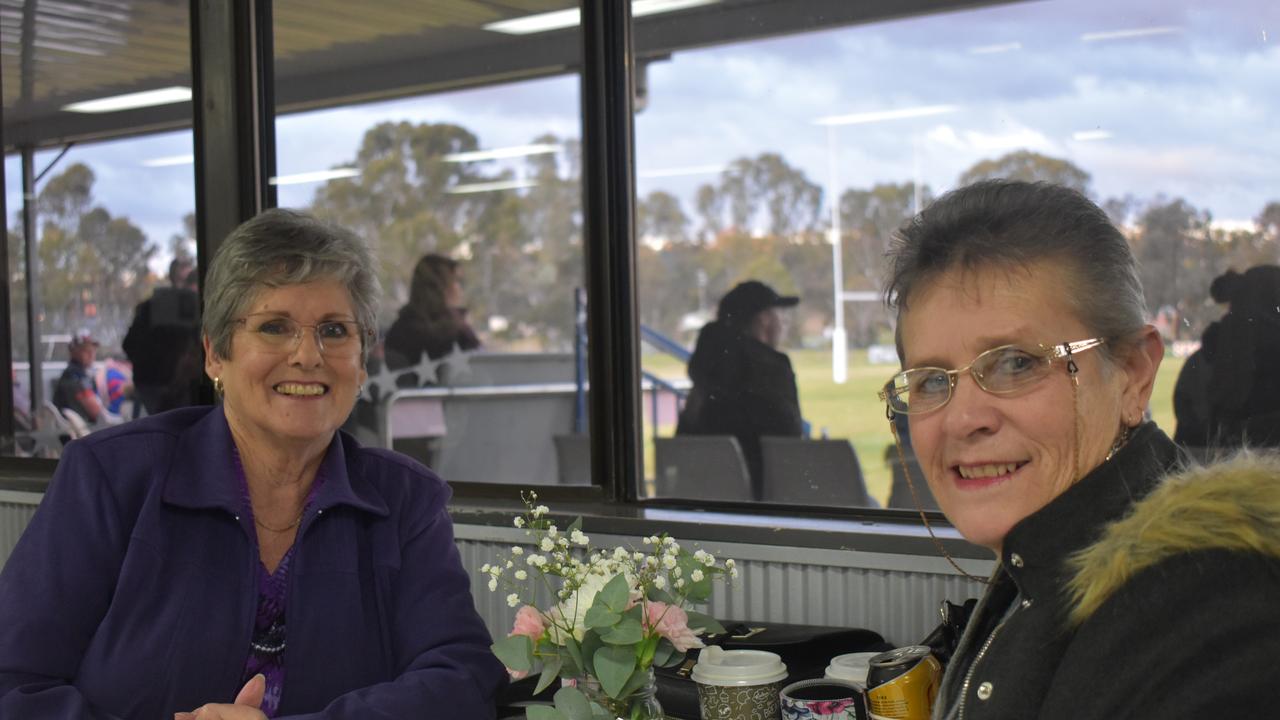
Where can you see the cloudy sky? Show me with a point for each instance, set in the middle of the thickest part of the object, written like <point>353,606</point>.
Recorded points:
<point>1152,97</point>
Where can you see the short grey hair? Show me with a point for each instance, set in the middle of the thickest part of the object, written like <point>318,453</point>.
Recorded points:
<point>279,248</point>
<point>1014,224</point>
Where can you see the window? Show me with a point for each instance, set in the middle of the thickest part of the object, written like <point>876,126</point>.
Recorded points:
<point>765,135</point>
<point>108,217</point>
<point>470,196</point>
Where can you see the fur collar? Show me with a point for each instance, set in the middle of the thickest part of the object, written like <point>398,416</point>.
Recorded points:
<point>1231,505</point>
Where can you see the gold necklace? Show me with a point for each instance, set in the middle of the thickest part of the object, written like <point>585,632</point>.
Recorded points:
<point>286,528</point>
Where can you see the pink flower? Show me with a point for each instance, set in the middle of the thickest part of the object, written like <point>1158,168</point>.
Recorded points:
<point>528,623</point>
<point>671,623</point>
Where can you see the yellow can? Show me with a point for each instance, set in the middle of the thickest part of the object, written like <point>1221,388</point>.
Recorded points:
<point>902,684</point>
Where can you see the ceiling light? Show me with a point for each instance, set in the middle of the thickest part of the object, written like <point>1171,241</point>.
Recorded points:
<point>560,19</point>
<point>169,161</point>
<point>1128,34</point>
<point>997,48</point>
<point>677,171</point>
<point>163,96</point>
<point>490,186</point>
<point>881,115</point>
<point>316,176</point>
<point>1087,135</point>
<point>502,152</point>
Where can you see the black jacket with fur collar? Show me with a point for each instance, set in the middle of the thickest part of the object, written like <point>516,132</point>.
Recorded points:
<point>1146,590</point>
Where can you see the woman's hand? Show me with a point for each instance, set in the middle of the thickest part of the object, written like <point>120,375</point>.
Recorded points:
<point>245,707</point>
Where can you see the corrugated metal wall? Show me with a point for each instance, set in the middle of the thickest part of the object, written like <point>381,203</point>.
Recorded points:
<point>894,595</point>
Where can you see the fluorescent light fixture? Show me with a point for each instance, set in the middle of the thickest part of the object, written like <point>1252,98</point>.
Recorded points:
<point>490,186</point>
<point>997,48</point>
<point>169,161</point>
<point>316,176</point>
<point>148,98</point>
<point>1129,34</point>
<point>502,152</point>
<point>560,19</point>
<point>678,171</point>
<point>1087,135</point>
<point>882,115</point>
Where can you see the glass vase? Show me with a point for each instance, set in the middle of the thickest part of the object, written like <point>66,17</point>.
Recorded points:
<point>639,705</point>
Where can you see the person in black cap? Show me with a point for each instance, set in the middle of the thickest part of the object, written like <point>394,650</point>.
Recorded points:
<point>742,385</point>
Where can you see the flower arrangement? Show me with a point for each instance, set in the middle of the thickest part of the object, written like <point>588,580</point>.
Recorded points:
<point>616,614</point>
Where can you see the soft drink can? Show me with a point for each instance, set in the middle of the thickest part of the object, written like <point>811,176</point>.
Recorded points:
<point>902,684</point>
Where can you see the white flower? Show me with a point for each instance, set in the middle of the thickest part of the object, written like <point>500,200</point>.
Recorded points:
<point>677,572</point>
<point>552,531</point>
<point>667,540</point>
<point>729,563</point>
<point>510,564</point>
<point>696,576</point>
<point>647,541</point>
<point>493,584</point>
<point>637,556</point>
<point>513,600</point>
<point>578,537</point>
<point>547,544</point>
<point>659,582</point>
<point>519,522</point>
<point>705,558</point>
<point>517,550</point>
<point>620,553</point>
<point>668,561</point>
<point>536,561</point>
<point>540,511</point>
<point>522,575</point>
<point>679,582</point>
<point>485,568</point>
<point>562,541</point>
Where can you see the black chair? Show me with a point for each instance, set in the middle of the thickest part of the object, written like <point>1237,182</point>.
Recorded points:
<point>900,495</point>
<point>700,467</point>
<point>825,473</point>
<point>573,459</point>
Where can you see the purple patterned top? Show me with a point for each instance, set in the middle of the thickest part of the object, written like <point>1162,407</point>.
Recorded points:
<point>267,647</point>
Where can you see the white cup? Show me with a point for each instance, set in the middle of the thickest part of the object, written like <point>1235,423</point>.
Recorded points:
<point>851,667</point>
<point>738,684</point>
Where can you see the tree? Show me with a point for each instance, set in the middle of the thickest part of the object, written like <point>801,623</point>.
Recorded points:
<point>1175,260</point>
<point>1031,167</point>
<point>660,217</point>
<point>763,193</point>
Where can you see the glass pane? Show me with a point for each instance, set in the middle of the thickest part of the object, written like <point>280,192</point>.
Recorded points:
<point>109,215</point>
<point>451,145</point>
<point>762,140</point>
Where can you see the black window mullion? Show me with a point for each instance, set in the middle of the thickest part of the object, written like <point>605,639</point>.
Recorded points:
<point>609,230</point>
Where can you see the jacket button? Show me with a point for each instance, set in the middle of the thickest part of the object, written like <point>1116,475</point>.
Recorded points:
<point>984,691</point>
<point>1015,560</point>
<point>1026,603</point>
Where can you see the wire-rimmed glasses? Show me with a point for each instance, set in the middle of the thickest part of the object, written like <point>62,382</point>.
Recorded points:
<point>278,333</point>
<point>1000,371</point>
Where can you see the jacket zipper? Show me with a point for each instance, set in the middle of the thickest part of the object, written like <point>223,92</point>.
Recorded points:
<point>973,667</point>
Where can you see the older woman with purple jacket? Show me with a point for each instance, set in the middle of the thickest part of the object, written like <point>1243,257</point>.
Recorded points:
<point>249,561</point>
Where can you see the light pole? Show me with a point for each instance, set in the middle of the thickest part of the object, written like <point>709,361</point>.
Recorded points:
<point>839,340</point>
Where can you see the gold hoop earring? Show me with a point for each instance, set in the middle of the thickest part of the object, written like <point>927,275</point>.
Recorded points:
<point>217,386</point>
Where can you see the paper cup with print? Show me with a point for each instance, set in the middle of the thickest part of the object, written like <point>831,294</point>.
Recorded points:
<point>823,699</point>
<point>738,684</point>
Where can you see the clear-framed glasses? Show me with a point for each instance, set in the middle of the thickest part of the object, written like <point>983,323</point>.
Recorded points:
<point>277,333</point>
<point>1000,371</point>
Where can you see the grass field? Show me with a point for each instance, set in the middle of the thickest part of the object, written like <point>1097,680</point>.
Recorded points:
<point>853,411</point>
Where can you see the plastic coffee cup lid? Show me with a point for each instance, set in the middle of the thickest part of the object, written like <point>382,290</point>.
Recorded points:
<point>851,667</point>
<point>734,668</point>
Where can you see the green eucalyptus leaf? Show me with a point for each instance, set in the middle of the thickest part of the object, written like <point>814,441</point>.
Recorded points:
<point>627,632</point>
<point>614,594</point>
<point>571,659</point>
<point>600,616</point>
<point>591,642</point>
<point>708,624</point>
<point>516,652</point>
<point>660,595</point>
<point>639,678</point>
<point>666,655</point>
<point>543,712</point>
<point>698,592</point>
<point>575,525</point>
<point>614,664</point>
<point>573,703</point>
<point>550,671</point>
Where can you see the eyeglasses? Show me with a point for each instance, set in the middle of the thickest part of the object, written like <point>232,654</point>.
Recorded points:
<point>276,333</point>
<point>999,371</point>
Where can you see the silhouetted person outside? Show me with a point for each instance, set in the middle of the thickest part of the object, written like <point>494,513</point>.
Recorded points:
<point>1228,392</point>
<point>742,385</point>
<point>76,390</point>
<point>434,321</point>
<point>163,343</point>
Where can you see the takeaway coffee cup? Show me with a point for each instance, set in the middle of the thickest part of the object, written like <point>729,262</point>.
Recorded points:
<point>851,668</point>
<point>738,684</point>
<point>825,698</point>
